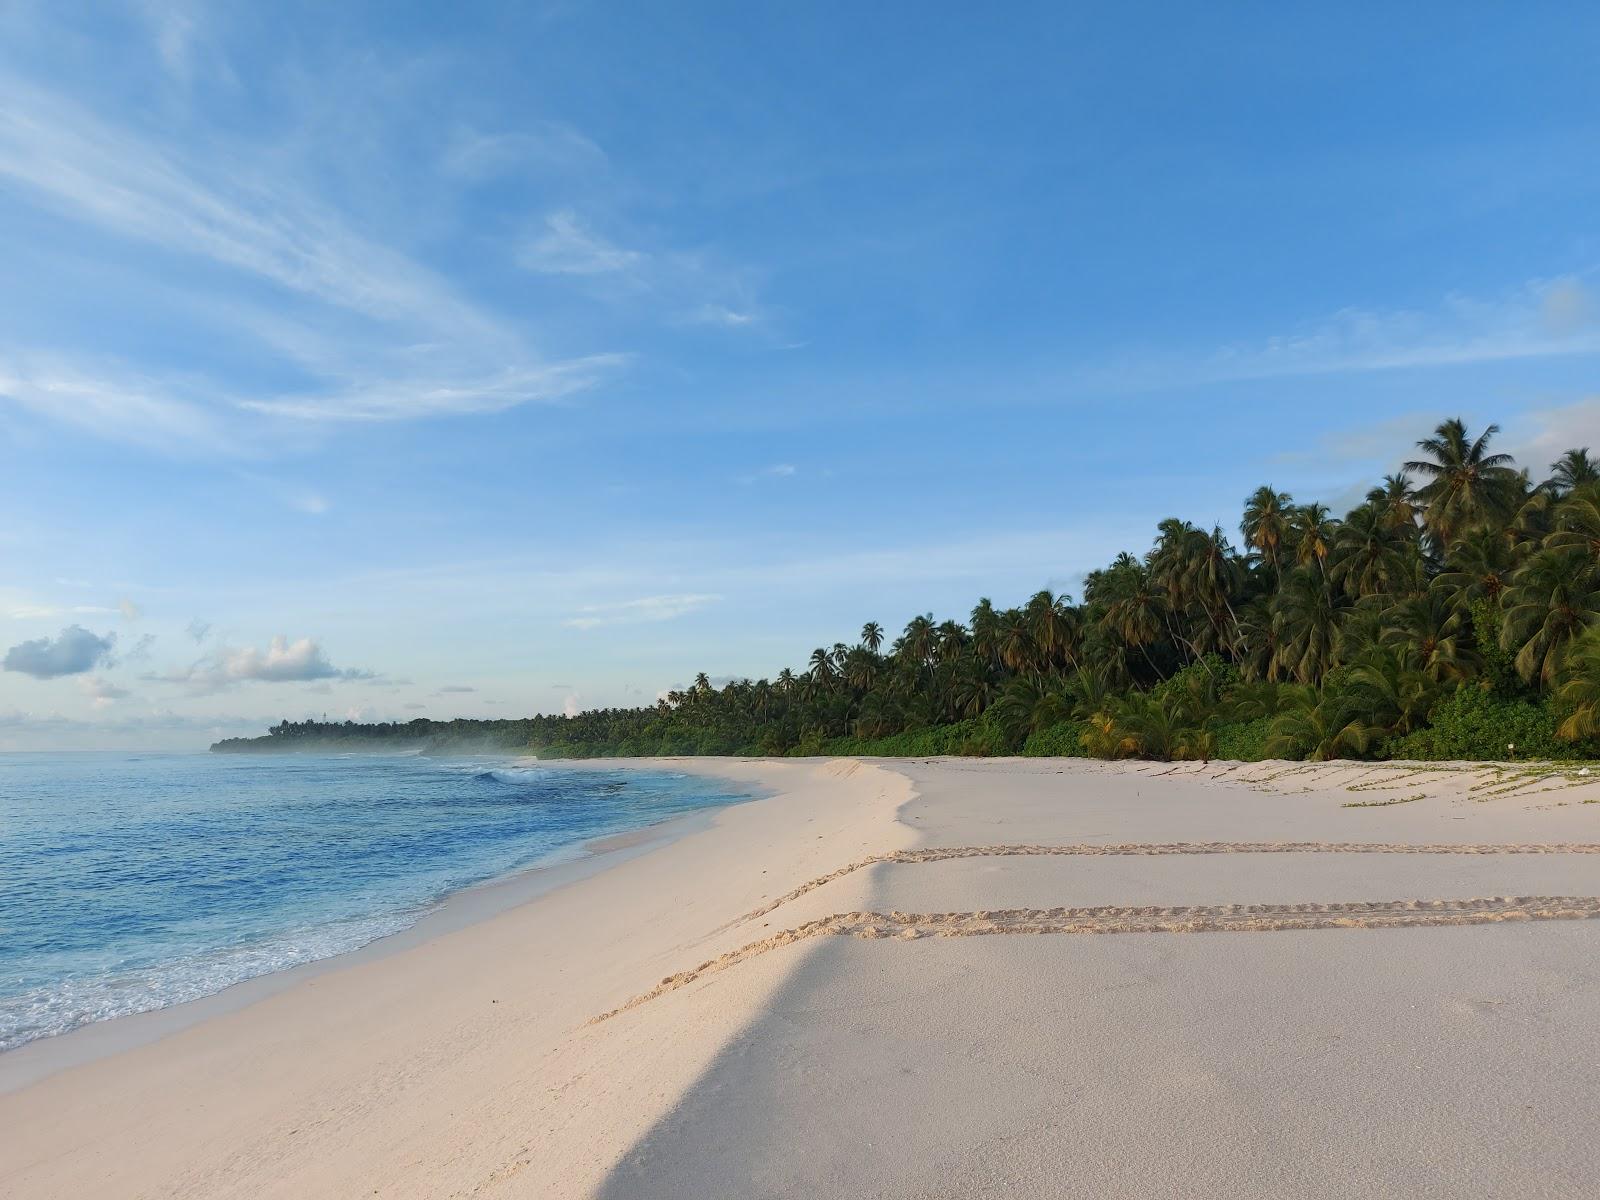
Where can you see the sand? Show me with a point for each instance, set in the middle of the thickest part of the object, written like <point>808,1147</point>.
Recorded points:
<point>923,979</point>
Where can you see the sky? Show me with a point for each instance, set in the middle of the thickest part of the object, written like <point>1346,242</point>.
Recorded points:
<point>385,360</point>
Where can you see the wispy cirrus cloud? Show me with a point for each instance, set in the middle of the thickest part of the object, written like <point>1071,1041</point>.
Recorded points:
<point>538,146</point>
<point>644,609</point>
<point>682,287</point>
<point>1543,318</point>
<point>377,335</point>
<point>566,246</point>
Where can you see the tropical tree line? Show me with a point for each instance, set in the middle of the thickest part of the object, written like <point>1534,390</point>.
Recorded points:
<point>1452,613</point>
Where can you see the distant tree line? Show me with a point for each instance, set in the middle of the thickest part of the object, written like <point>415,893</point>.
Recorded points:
<point>1451,614</point>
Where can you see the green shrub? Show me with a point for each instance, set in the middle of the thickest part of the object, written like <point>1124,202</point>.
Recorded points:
<point>1242,741</point>
<point>1474,724</point>
<point>970,737</point>
<point>1064,740</point>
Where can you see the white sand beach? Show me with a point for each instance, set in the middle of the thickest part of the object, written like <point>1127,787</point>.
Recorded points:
<point>926,979</point>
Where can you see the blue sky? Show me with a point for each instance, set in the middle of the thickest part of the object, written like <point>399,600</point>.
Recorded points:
<point>407,359</point>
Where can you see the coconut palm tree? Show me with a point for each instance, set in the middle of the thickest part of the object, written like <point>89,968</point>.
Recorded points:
<point>872,636</point>
<point>1577,521</point>
<point>1055,626</point>
<point>1396,502</point>
<point>1028,705</point>
<point>1572,470</point>
<point>1465,485</point>
<point>916,643</point>
<point>1266,525</point>
<point>1551,601</point>
<point>1386,698</point>
<point>952,641</point>
<point>1311,532</point>
<point>985,626</point>
<point>1134,612</point>
<point>1580,691</point>
<point>1314,724</point>
<point>1306,614</point>
<point>1429,634</point>
<point>1478,567</point>
<point>1369,553</point>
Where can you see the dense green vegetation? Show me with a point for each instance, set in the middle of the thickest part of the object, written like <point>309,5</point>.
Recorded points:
<point>1452,614</point>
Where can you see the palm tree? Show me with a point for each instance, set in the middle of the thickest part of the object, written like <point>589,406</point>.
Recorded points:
<point>872,636</point>
<point>1266,525</point>
<point>1551,601</point>
<point>1306,614</point>
<point>952,641</point>
<point>1572,470</point>
<point>1385,697</point>
<point>1580,693</point>
<point>822,672</point>
<point>1055,625</point>
<point>1315,724</point>
<point>1028,705</point>
<point>1577,521</point>
<point>1134,613</point>
<point>1478,567</point>
<point>1395,502</point>
<point>1017,648</point>
<point>974,687</point>
<point>1466,485</point>
<point>1311,532</point>
<point>985,626</point>
<point>1369,553</point>
<point>1429,634</point>
<point>916,643</point>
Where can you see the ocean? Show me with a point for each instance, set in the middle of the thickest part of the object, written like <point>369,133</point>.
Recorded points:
<point>130,882</point>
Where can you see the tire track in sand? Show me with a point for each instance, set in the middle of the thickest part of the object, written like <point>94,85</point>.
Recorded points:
<point>1218,918</point>
<point>945,853</point>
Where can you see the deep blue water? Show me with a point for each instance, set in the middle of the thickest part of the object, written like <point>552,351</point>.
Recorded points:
<point>129,882</point>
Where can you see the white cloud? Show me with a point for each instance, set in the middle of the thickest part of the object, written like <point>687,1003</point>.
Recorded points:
<point>568,247</point>
<point>129,610</point>
<point>111,400</point>
<point>775,471</point>
<point>380,336</point>
<point>402,398</point>
<point>74,651</point>
<point>198,629</point>
<point>283,661</point>
<point>102,693</point>
<point>570,706</point>
<point>20,607</point>
<point>1542,319</point>
<point>539,146</point>
<point>645,609</point>
<point>720,314</point>
<point>175,27</point>
<point>1541,436</point>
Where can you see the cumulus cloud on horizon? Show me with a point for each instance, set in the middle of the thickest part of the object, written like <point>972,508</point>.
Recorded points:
<point>74,651</point>
<point>283,661</point>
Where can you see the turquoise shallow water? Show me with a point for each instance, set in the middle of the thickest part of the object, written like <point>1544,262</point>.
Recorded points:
<point>130,882</point>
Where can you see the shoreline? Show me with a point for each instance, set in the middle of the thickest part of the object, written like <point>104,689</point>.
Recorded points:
<point>41,1058</point>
